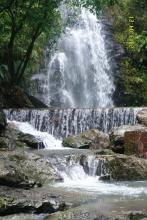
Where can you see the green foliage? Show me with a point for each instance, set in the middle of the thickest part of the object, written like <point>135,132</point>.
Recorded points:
<point>25,26</point>
<point>134,64</point>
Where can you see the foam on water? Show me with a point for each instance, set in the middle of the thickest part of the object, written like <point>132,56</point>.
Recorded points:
<point>76,179</point>
<point>49,141</point>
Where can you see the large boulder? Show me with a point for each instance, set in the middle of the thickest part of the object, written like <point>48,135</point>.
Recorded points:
<point>25,170</point>
<point>3,120</point>
<point>15,201</point>
<point>91,139</point>
<point>122,168</point>
<point>117,135</point>
<point>9,138</point>
<point>142,117</point>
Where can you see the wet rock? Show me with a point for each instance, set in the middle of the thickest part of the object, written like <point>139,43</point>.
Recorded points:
<point>91,139</point>
<point>31,141</point>
<point>29,201</point>
<point>11,138</point>
<point>105,178</point>
<point>24,217</point>
<point>123,168</point>
<point>25,170</point>
<point>3,120</point>
<point>103,218</point>
<point>117,139</point>
<point>126,216</point>
<point>142,117</point>
<point>136,215</point>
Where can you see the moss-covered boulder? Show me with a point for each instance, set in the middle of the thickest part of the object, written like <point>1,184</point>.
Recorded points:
<point>25,170</point>
<point>91,139</point>
<point>123,168</point>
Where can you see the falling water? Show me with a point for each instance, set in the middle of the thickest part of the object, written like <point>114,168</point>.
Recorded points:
<point>64,122</point>
<point>48,141</point>
<point>79,72</point>
<point>75,178</point>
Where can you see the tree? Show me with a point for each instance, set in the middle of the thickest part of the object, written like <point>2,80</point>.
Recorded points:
<point>22,22</point>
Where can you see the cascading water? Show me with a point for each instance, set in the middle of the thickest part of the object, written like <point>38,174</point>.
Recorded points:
<point>49,142</point>
<point>75,177</point>
<point>64,122</point>
<point>80,73</point>
<point>80,171</point>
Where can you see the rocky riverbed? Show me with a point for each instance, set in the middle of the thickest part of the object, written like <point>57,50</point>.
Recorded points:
<point>91,177</point>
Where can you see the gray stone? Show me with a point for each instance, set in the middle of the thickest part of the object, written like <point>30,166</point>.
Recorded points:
<point>123,168</point>
<point>25,170</point>
<point>91,139</point>
<point>142,117</point>
<point>40,200</point>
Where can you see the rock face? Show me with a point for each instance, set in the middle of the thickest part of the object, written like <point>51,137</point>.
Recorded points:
<point>136,143</point>
<point>3,121</point>
<point>142,117</point>
<point>91,139</point>
<point>29,201</point>
<point>15,97</point>
<point>25,170</point>
<point>117,139</point>
<point>123,168</point>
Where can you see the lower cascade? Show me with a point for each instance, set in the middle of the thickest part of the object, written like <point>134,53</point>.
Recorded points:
<point>64,122</point>
<point>86,177</point>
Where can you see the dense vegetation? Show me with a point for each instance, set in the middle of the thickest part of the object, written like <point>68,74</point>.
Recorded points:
<point>130,30</point>
<point>27,25</point>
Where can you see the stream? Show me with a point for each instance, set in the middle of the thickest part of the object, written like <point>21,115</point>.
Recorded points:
<point>80,186</point>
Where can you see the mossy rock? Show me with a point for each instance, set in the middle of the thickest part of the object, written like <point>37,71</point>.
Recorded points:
<point>91,139</point>
<point>124,168</point>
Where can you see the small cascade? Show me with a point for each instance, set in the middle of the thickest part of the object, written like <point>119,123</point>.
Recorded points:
<point>84,177</point>
<point>44,139</point>
<point>72,169</point>
<point>64,122</point>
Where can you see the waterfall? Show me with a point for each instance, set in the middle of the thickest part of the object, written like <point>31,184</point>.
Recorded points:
<point>80,71</point>
<point>64,122</point>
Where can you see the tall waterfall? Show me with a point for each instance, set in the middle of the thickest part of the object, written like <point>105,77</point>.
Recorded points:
<point>79,71</point>
<point>64,122</point>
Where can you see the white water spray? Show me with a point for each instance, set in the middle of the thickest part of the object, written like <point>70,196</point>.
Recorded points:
<point>79,71</point>
<point>48,140</point>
